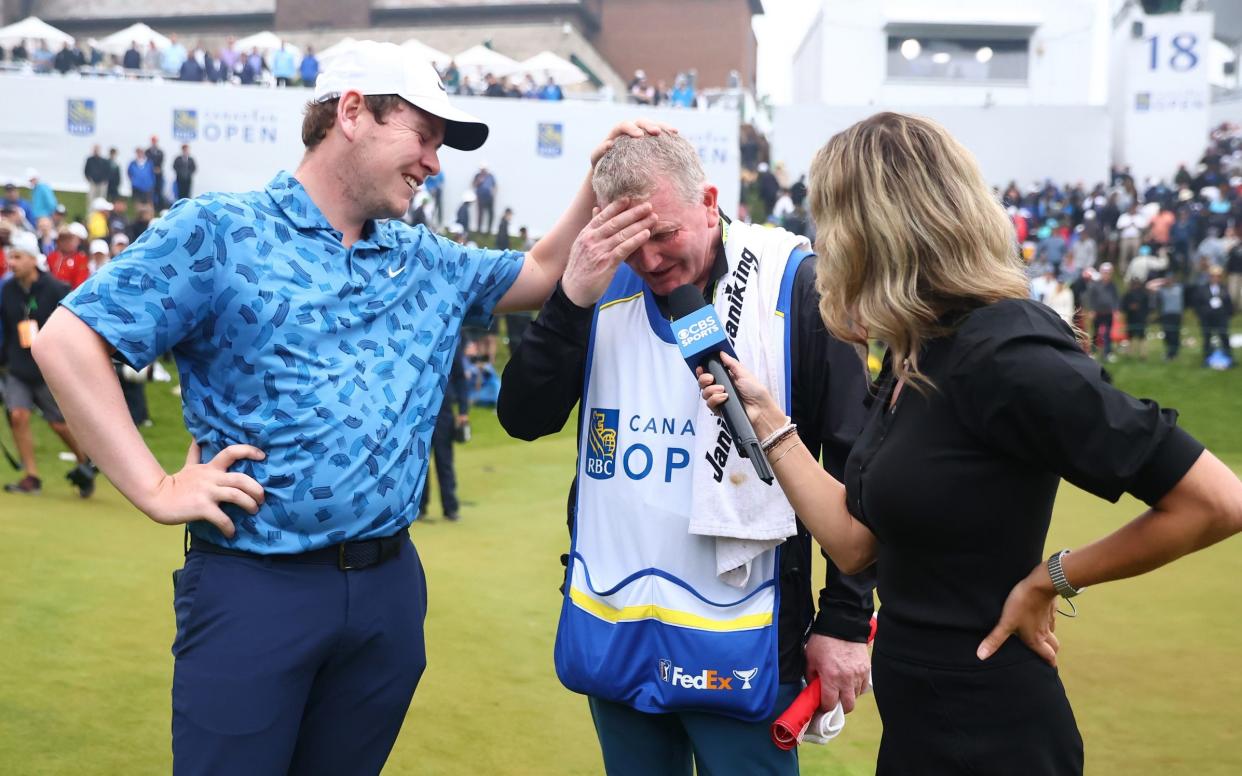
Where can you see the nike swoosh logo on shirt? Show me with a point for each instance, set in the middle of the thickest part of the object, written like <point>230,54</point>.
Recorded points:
<point>392,274</point>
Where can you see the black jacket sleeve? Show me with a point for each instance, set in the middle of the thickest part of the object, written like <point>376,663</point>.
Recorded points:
<point>543,379</point>
<point>829,386</point>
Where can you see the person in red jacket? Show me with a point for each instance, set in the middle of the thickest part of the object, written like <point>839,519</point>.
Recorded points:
<point>68,263</point>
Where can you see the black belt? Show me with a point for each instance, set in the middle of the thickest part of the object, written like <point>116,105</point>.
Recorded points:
<point>346,556</point>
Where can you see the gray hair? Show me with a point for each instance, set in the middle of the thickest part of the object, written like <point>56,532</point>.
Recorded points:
<point>634,166</point>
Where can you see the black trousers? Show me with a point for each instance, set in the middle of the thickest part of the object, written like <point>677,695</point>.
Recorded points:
<point>1216,336</point>
<point>1001,721</point>
<point>136,401</point>
<point>515,327</point>
<point>1172,325</point>
<point>1103,335</point>
<point>446,477</point>
<point>487,210</point>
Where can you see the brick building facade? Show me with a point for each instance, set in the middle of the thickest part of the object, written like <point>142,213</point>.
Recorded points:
<point>661,37</point>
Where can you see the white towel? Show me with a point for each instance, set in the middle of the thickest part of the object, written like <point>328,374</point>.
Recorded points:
<point>827,725</point>
<point>747,516</point>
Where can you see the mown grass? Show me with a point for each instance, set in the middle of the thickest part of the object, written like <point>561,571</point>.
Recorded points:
<point>86,622</point>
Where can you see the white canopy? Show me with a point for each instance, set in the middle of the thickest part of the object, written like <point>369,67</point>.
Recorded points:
<point>265,42</point>
<point>336,48</point>
<point>33,28</point>
<point>545,64</point>
<point>478,61</point>
<point>119,42</point>
<point>432,55</point>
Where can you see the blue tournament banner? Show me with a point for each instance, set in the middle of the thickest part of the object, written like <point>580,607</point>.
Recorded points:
<point>601,452</point>
<point>80,116</point>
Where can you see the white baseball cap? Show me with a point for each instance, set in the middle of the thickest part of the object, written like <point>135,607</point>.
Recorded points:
<point>99,246</point>
<point>99,203</point>
<point>25,242</point>
<point>373,68</point>
<point>75,229</point>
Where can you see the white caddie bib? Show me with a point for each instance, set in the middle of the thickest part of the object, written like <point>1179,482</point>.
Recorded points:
<point>646,620</point>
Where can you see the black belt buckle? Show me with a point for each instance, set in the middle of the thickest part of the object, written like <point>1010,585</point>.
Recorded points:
<point>341,562</point>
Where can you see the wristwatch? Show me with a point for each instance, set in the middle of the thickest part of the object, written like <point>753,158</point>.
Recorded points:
<point>1062,585</point>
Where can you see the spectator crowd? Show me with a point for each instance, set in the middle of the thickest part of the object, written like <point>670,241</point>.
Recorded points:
<point>283,66</point>
<point>1113,258</point>
<point>44,254</point>
<point>227,64</point>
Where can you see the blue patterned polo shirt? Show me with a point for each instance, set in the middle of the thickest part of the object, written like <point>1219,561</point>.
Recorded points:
<point>333,361</point>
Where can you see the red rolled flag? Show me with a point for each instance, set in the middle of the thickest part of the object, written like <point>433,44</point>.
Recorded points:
<point>789,726</point>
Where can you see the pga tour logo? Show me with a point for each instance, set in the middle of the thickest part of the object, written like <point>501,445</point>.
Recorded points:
<point>707,679</point>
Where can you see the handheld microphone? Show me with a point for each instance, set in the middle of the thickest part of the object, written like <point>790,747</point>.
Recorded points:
<point>701,338</point>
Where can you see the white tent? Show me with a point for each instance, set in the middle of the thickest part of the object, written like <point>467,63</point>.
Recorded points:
<point>545,64</point>
<point>478,61</point>
<point>432,55</point>
<point>331,51</point>
<point>119,42</point>
<point>33,28</point>
<point>265,42</point>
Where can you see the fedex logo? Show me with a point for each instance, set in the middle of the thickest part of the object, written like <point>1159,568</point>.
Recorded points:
<point>708,679</point>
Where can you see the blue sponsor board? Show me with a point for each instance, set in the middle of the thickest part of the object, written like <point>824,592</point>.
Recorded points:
<point>551,142</point>
<point>185,124</point>
<point>601,452</point>
<point>80,116</point>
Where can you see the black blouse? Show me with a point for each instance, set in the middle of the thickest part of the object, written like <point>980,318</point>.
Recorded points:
<point>958,483</point>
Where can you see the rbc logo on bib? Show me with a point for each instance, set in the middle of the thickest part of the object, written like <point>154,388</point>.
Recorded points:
<point>601,459</point>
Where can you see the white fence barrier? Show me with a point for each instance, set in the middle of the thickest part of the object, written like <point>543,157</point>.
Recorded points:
<point>240,137</point>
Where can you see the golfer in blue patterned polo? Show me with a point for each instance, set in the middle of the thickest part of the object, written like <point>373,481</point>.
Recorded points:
<point>314,342</point>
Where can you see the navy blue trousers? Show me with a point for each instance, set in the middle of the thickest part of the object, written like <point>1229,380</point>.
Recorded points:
<point>290,668</point>
<point>636,743</point>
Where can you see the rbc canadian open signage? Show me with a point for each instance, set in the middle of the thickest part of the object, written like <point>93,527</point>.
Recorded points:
<point>80,116</point>
<point>253,127</point>
<point>185,125</point>
<point>551,141</point>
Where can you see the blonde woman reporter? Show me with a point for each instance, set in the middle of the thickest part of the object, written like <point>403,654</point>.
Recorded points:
<point>984,404</point>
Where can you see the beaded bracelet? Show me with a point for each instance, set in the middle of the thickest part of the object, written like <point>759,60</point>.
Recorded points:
<point>777,436</point>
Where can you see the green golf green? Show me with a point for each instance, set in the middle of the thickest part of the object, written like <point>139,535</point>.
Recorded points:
<point>86,622</point>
